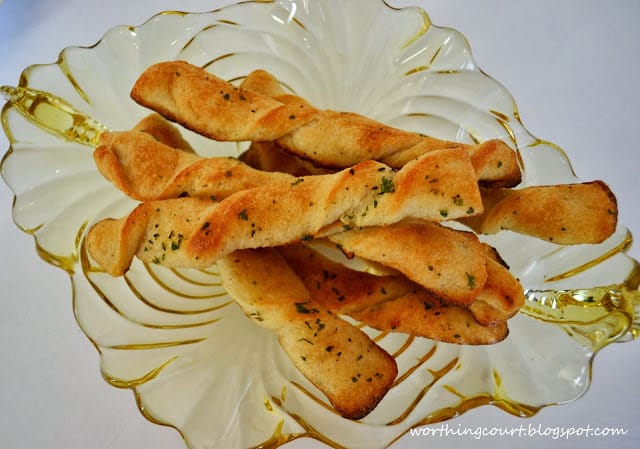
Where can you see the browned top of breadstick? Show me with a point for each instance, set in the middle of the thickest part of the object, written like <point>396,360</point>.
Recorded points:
<point>338,358</point>
<point>206,104</point>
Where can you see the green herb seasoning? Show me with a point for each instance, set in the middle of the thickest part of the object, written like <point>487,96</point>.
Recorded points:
<point>301,307</point>
<point>386,186</point>
<point>471,280</point>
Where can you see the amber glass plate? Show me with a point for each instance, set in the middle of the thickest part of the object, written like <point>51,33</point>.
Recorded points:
<point>174,337</point>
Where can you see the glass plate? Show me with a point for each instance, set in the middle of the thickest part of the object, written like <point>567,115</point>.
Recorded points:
<point>174,337</point>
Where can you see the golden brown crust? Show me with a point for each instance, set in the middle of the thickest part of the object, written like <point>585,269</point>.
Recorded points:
<point>566,214</point>
<point>155,230</point>
<point>147,169</point>
<point>338,358</point>
<point>495,163</point>
<point>336,139</point>
<point>450,264</point>
<point>210,106</point>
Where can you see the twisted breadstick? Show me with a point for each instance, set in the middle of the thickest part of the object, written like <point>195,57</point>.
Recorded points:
<point>494,162</point>
<point>338,358</point>
<point>435,187</point>
<point>449,263</point>
<point>215,108</point>
<point>566,214</point>
<point>145,168</point>
<point>388,303</point>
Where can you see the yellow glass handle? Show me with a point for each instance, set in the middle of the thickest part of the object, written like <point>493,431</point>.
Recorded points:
<point>54,115</point>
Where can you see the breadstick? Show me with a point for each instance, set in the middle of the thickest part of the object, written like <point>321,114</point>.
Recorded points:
<point>450,264</point>
<point>388,303</point>
<point>266,84</point>
<point>145,168</point>
<point>215,108</point>
<point>566,214</point>
<point>338,358</point>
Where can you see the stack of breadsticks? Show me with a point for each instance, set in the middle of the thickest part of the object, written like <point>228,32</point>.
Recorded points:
<point>313,178</point>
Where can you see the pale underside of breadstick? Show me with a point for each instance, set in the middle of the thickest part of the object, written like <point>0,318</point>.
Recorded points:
<point>501,296</point>
<point>337,357</point>
<point>565,214</point>
<point>215,108</point>
<point>388,303</point>
<point>268,156</point>
<point>164,131</point>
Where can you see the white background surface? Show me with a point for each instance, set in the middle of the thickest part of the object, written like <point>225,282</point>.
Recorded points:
<point>573,67</point>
